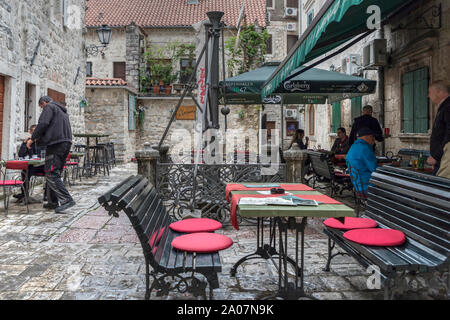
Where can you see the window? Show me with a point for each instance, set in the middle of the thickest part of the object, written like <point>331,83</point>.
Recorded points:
<point>415,101</point>
<point>186,69</point>
<point>336,116</point>
<point>120,70</point>
<point>270,4</point>
<point>291,40</point>
<point>88,69</point>
<point>269,45</point>
<point>356,106</point>
<point>291,3</point>
<point>311,119</point>
<point>309,17</point>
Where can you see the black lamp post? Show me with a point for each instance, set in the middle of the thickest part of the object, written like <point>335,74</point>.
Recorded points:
<point>104,37</point>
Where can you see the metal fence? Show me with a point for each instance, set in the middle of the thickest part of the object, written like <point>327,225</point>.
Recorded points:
<point>175,182</point>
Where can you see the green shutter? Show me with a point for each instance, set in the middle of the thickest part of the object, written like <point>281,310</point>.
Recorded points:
<point>421,100</point>
<point>408,102</point>
<point>356,107</point>
<point>336,116</point>
<point>131,112</point>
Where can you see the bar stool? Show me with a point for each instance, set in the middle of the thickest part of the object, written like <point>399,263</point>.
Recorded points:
<point>100,158</point>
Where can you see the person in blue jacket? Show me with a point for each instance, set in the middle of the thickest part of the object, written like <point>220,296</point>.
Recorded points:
<point>361,157</point>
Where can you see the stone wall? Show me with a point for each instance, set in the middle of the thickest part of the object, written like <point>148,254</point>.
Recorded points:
<point>103,67</point>
<point>108,113</point>
<point>39,48</point>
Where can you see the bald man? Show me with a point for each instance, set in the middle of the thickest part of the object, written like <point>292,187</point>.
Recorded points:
<point>439,93</point>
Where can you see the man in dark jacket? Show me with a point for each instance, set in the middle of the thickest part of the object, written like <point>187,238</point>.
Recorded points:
<point>55,133</point>
<point>439,93</point>
<point>366,121</point>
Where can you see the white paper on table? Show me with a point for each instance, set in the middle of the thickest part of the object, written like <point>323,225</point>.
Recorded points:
<point>253,201</point>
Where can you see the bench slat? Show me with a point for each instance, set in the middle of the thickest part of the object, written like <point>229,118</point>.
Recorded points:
<point>133,193</point>
<point>107,196</point>
<point>419,209</point>
<point>409,221</point>
<point>124,188</point>
<point>140,202</point>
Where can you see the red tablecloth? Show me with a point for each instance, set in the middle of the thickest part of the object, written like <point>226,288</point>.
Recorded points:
<point>236,197</point>
<point>288,187</point>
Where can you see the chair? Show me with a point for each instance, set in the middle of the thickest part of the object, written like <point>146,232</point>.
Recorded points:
<point>8,184</point>
<point>359,189</point>
<point>75,170</point>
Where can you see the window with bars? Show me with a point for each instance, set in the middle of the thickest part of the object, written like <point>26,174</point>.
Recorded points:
<point>269,45</point>
<point>415,103</point>
<point>309,17</point>
<point>88,69</point>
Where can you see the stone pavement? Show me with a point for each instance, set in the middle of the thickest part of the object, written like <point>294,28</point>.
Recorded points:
<point>86,254</point>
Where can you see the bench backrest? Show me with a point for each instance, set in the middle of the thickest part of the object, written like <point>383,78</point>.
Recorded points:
<point>138,198</point>
<point>321,164</point>
<point>417,204</point>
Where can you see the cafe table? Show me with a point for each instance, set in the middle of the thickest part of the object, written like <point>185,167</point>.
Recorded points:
<point>36,162</point>
<point>285,218</point>
<point>87,166</point>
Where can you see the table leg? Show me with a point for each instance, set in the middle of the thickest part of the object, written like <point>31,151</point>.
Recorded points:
<point>287,289</point>
<point>264,250</point>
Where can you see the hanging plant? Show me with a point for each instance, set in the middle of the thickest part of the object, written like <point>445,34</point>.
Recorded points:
<point>241,114</point>
<point>249,54</point>
<point>140,116</point>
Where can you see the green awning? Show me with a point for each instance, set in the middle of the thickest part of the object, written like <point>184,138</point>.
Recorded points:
<point>314,86</point>
<point>338,22</point>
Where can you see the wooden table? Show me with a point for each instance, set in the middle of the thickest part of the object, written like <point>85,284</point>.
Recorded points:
<point>286,218</point>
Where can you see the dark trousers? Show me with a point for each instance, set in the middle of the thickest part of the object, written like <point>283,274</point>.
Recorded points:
<point>55,159</point>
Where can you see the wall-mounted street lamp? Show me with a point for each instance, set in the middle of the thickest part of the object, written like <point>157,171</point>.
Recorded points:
<point>104,36</point>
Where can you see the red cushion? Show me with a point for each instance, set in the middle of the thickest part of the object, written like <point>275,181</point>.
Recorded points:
<point>341,175</point>
<point>156,237</point>
<point>202,242</point>
<point>195,225</point>
<point>376,237</point>
<point>71,163</point>
<point>351,223</point>
<point>17,165</point>
<point>10,182</point>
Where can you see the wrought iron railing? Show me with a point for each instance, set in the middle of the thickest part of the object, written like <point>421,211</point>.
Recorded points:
<point>175,182</point>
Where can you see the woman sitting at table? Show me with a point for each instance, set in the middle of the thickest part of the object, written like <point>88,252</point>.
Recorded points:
<point>24,151</point>
<point>298,138</point>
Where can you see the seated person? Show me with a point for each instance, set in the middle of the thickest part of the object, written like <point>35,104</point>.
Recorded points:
<point>361,157</point>
<point>298,138</point>
<point>340,145</point>
<point>24,151</point>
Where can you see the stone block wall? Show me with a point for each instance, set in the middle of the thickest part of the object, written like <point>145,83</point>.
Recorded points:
<point>37,48</point>
<point>108,113</point>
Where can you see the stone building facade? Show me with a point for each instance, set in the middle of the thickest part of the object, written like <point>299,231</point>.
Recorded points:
<point>413,47</point>
<point>41,53</point>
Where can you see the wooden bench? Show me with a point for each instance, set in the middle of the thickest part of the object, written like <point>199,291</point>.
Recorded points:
<point>324,172</point>
<point>419,206</point>
<point>142,204</point>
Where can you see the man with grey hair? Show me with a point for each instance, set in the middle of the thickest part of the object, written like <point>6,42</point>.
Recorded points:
<point>366,121</point>
<point>439,93</point>
<point>55,133</point>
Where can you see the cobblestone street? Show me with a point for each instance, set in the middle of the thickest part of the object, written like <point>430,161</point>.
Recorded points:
<point>86,254</point>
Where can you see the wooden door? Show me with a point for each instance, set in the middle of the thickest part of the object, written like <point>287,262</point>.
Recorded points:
<point>57,96</point>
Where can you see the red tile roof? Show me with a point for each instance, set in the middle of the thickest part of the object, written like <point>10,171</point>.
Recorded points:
<point>106,82</point>
<point>170,13</point>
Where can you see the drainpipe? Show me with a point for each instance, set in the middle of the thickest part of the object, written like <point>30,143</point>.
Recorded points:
<point>381,93</point>
<point>299,12</point>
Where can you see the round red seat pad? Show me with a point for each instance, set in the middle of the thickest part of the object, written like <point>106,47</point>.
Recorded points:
<point>196,225</point>
<point>202,242</point>
<point>351,223</point>
<point>376,237</point>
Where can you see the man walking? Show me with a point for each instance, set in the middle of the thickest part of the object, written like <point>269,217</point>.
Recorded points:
<point>54,132</point>
<point>439,93</point>
<point>366,121</point>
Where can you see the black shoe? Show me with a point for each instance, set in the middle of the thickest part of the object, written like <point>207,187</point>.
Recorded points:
<point>65,206</point>
<point>50,205</point>
<point>18,196</point>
